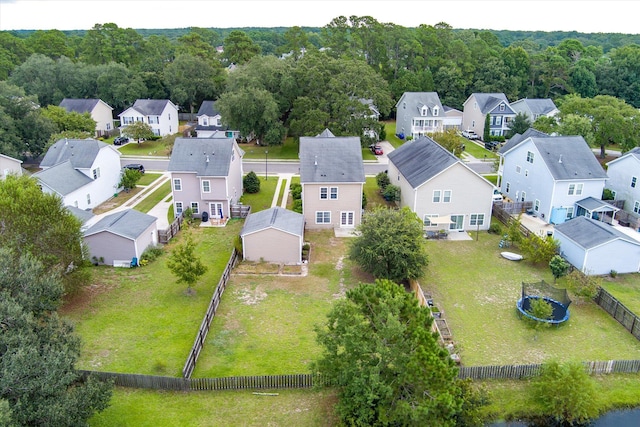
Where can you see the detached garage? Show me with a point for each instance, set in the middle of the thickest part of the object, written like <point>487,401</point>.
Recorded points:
<point>274,235</point>
<point>597,248</point>
<point>121,236</point>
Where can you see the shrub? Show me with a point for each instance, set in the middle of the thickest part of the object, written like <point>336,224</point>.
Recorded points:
<point>297,205</point>
<point>382,179</point>
<point>582,285</point>
<point>613,273</point>
<point>251,183</point>
<point>495,228</point>
<point>539,250</point>
<point>364,200</point>
<point>237,243</point>
<point>391,193</point>
<point>296,190</point>
<point>559,266</point>
<point>152,253</point>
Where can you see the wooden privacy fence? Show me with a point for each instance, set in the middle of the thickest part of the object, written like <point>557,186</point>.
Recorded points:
<point>504,214</point>
<point>618,311</point>
<point>165,235</point>
<point>240,211</point>
<point>190,364</point>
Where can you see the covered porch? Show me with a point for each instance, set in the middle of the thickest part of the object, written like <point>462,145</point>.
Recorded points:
<point>596,209</point>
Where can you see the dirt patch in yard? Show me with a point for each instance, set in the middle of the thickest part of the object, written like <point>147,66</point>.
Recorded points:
<point>117,201</point>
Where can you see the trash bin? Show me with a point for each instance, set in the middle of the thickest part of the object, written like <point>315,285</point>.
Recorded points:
<point>205,216</point>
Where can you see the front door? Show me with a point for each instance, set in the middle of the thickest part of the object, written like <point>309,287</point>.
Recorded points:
<point>346,218</point>
<point>215,210</point>
<point>457,222</point>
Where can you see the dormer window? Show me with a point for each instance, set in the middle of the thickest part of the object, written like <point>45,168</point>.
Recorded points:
<point>436,111</point>
<point>424,111</point>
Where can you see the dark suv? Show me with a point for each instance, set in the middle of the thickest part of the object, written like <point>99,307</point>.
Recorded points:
<point>135,166</point>
<point>121,140</point>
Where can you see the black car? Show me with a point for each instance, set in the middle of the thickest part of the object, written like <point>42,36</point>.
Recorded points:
<point>120,140</point>
<point>135,166</point>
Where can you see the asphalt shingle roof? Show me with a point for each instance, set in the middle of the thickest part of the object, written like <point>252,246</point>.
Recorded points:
<point>276,217</point>
<point>128,223</point>
<point>421,159</point>
<point>518,138</point>
<point>81,152</point>
<point>204,156</point>
<point>569,157</point>
<point>81,214</point>
<point>208,108</point>
<point>79,105</point>
<point>62,178</point>
<point>151,107</point>
<point>488,101</point>
<point>418,99</point>
<point>331,159</point>
<point>589,233</point>
<point>539,105</point>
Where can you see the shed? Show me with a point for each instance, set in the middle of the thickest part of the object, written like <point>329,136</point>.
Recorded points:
<point>273,235</point>
<point>595,247</point>
<point>121,236</point>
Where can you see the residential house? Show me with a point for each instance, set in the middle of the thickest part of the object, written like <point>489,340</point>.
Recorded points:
<point>554,173</point>
<point>273,228</point>
<point>332,178</point>
<point>83,172</point>
<point>100,111</point>
<point>160,114</point>
<point>480,105</point>
<point>419,114</point>
<point>121,236</point>
<point>594,247</point>
<point>443,191</point>
<point>452,118</point>
<point>624,182</point>
<point>9,165</point>
<point>535,108</point>
<point>372,114</point>
<point>206,176</point>
<point>210,123</point>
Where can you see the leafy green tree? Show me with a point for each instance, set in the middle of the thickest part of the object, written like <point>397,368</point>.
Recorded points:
<point>252,111</point>
<point>391,193</point>
<point>53,235</point>
<point>539,250</point>
<point>130,178</point>
<point>486,135</point>
<point>540,309</point>
<point>559,267</point>
<point>38,76</point>
<point>251,183</point>
<point>389,368</point>
<point>105,43</point>
<point>239,48</point>
<point>296,40</point>
<point>185,264</point>
<point>583,285</point>
<point>566,393</point>
<point>52,43</point>
<point>390,244</point>
<point>38,351</point>
<point>195,45</point>
<point>118,86</point>
<point>138,131</point>
<point>69,120</point>
<point>519,124</point>
<point>546,124</point>
<point>450,141</point>
<point>191,80</point>
<point>382,179</point>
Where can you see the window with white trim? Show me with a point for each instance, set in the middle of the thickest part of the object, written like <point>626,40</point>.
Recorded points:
<point>507,187</point>
<point>323,217</point>
<point>634,181</point>
<point>177,184</point>
<point>636,207</point>
<point>570,212</point>
<point>96,173</point>
<point>88,199</point>
<point>446,198</point>
<point>499,120</point>
<point>476,220</point>
<point>427,220</point>
<point>536,205</point>
<point>195,208</point>
<point>436,111</point>
<point>333,193</point>
<point>178,206</point>
<point>526,172</point>
<point>436,196</point>
<point>206,186</point>
<point>502,107</point>
<point>529,156</point>
<point>522,196</point>
<point>575,189</point>
<point>324,193</point>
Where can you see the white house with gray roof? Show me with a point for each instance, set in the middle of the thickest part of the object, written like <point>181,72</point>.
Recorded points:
<point>160,114</point>
<point>443,191</point>
<point>495,105</point>
<point>419,114</point>
<point>210,123</point>
<point>597,248</point>
<point>332,178</point>
<point>100,112</point>
<point>273,228</point>
<point>9,166</point>
<point>206,175</point>
<point>552,172</point>
<point>535,108</point>
<point>624,181</point>
<point>83,172</point>
<point>121,236</point>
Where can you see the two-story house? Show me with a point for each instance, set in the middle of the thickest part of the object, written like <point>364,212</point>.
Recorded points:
<point>624,182</point>
<point>100,111</point>
<point>210,123</point>
<point>83,172</point>
<point>533,109</point>
<point>419,114</point>
<point>206,176</point>
<point>555,173</point>
<point>160,114</point>
<point>9,165</point>
<point>332,178</point>
<point>495,105</point>
<point>443,191</point>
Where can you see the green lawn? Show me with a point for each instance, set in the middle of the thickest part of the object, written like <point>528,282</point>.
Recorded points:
<point>148,178</point>
<point>262,199</point>
<point>478,151</point>
<point>390,129</point>
<point>288,150</point>
<point>154,198</point>
<point>160,147</point>
<point>626,288</point>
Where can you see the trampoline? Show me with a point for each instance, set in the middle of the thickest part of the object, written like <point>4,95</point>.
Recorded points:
<point>558,298</point>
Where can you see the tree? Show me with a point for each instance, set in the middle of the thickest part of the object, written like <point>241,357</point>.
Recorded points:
<point>539,250</point>
<point>251,183</point>
<point>191,80</point>
<point>252,111</point>
<point>382,179</point>
<point>583,285</point>
<point>138,131</point>
<point>185,264</point>
<point>450,141</point>
<point>566,393</point>
<point>130,178</point>
<point>540,309</point>
<point>38,350</point>
<point>69,120</point>
<point>559,267</point>
<point>390,244</point>
<point>239,48</point>
<point>389,368</point>
<point>37,223</point>
<point>519,124</point>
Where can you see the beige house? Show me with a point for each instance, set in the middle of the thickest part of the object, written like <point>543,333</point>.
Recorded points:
<point>206,176</point>
<point>443,191</point>
<point>9,165</point>
<point>273,228</point>
<point>480,105</point>
<point>332,178</point>
<point>100,111</point>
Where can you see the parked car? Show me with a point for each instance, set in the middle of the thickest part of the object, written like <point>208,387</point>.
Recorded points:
<point>491,145</point>
<point>376,149</point>
<point>121,140</point>
<point>497,195</point>
<point>135,166</point>
<point>470,134</point>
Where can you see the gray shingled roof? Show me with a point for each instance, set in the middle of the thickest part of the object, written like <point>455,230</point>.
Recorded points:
<point>593,204</point>
<point>325,134</point>
<point>79,105</point>
<point>81,214</point>
<point>418,99</point>
<point>589,233</point>
<point>191,155</point>
<point>488,101</point>
<point>518,138</point>
<point>62,178</point>
<point>421,159</point>
<point>128,223</point>
<point>332,159</point>
<point>569,157</point>
<point>208,108</point>
<point>276,217</point>
<point>81,152</point>
<point>151,107</point>
<point>538,105</point>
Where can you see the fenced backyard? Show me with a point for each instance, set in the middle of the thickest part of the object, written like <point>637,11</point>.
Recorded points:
<point>619,311</point>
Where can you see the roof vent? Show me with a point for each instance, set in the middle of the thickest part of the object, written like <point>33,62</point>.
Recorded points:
<point>315,162</point>
<point>560,159</point>
<point>207,159</point>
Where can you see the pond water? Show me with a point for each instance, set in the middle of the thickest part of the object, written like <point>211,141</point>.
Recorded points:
<point>622,418</point>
